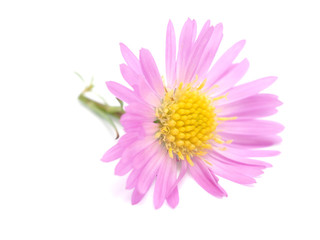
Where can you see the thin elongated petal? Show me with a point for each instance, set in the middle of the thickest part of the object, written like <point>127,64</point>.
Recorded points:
<point>249,153</point>
<point>171,55</point>
<point>231,78</point>
<point>136,197</point>
<point>116,151</point>
<point>204,29</point>
<point>224,63</point>
<point>186,40</point>
<point>172,196</point>
<point>251,127</point>
<point>232,157</point>
<point>139,85</point>
<point>151,72</point>
<point>122,92</point>
<point>133,178</point>
<point>131,77</point>
<point>148,94</point>
<point>113,153</point>
<point>196,54</point>
<point>133,123</point>
<point>130,58</point>
<point>129,117</point>
<point>204,178</point>
<point>247,167</point>
<point>146,155</point>
<point>259,105</point>
<point>231,174</point>
<point>129,153</point>
<point>183,170</point>
<point>123,167</point>
<point>140,109</point>
<point>149,172</point>
<point>251,113</point>
<point>251,141</point>
<point>150,128</point>
<point>161,185</point>
<point>210,51</point>
<point>247,89</point>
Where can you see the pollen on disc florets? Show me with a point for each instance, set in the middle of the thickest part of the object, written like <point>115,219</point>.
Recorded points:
<point>187,121</point>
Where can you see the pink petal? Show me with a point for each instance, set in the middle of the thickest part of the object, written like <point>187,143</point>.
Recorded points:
<point>151,148</point>
<point>196,54</point>
<point>140,85</point>
<point>171,55</point>
<point>136,197</point>
<point>150,128</point>
<point>204,178</point>
<point>122,92</point>
<point>116,151</point>
<point>183,171</point>
<point>129,117</point>
<point>148,94</point>
<point>151,72</point>
<point>129,75</point>
<point>130,58</point>
<point>210,51</point>
<point>138,146</point>
<point>250,153</point>
<point>224,63</point>
<point>194,30</point>
<point>231,78</point>
<point>247,90</point>
<point>204,29</point>
<point>259,105</point>
<point>149,172</point>
<point>245,166</point>
<point>232,158</point>
<point>250,127</point>
<point>132,126</point>
<point>251,141</point>
<point>140,110</point>
<point>231,174</point>
<point>113,153</point>
<point>172,196</point>
<point>164,173</point>
<point>133,178</point>
<point>126,162</point>
<point>139,124</point>
<point>123,167</point>
<point>187,36</point>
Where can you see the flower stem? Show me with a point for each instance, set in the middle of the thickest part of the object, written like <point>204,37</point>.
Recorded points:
<point>105,108</point>
<point>102,110</point>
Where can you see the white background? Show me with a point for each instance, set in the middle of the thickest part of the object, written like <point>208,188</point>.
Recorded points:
<point>52,182</point>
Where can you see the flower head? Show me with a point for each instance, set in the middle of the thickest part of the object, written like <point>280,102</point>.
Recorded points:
<point>196,120</point>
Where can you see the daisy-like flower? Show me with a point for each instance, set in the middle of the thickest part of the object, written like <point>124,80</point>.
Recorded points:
<point>195,120</point>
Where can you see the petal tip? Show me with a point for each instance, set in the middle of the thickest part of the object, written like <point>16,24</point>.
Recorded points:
<point>242,42</point>
<point>123,47</point>
<point>157,204</point>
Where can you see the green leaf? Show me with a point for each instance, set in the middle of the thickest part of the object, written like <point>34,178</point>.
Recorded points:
<point>121,103</point>
<point>79,76</point>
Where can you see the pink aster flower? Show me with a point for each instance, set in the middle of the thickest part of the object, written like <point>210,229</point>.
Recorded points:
<point>195,120</point>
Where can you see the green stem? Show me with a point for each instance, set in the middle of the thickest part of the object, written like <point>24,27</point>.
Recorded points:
<point>103,111</point>
<point>105,108</point>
